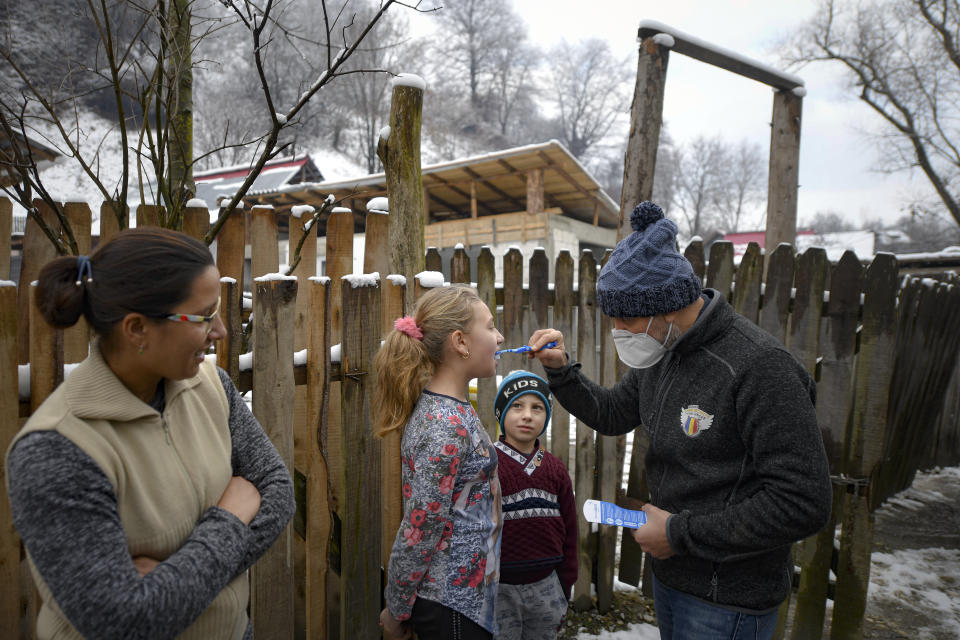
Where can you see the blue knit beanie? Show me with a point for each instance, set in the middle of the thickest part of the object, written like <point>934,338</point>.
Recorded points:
<point>646,276</point>
<point>520,383</point>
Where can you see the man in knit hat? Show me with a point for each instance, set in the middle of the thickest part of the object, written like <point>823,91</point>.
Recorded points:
<point>736,465</point>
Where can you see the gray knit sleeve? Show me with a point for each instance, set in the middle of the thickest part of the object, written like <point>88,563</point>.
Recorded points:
<point>65,510</point>
<point>256,459</point>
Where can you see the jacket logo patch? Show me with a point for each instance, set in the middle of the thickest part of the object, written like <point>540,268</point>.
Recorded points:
<point>693,420</point>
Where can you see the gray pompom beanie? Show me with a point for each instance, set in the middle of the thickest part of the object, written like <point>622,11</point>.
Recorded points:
<point>646,276</point>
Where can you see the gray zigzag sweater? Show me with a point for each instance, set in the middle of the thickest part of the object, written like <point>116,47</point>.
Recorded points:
<point>735,453</point>
<point>52,481</point>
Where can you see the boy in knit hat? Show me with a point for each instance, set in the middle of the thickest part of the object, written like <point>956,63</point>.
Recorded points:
<point>538,561</point>
<point>736,465</point>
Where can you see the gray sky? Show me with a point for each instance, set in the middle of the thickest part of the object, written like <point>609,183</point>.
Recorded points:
<point>836,159</point>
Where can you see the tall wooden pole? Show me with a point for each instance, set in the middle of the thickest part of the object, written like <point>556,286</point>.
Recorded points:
<point>646,118</point>
<point>400,155</point>
<point>784,169</point>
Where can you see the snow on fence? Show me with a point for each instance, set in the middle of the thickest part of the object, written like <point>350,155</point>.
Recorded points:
<point>880,347</point>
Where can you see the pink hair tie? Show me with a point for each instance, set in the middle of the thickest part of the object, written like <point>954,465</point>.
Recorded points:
<point>408,325</point>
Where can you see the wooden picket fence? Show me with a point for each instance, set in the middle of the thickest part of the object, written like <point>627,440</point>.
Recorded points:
<point>323,577</point>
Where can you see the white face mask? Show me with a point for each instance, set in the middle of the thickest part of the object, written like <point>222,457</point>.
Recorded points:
<point>640,350</point>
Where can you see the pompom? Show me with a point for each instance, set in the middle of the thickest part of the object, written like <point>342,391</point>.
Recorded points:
<point>645,214</point>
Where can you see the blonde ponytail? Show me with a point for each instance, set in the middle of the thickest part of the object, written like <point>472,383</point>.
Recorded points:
<point>405,364</point>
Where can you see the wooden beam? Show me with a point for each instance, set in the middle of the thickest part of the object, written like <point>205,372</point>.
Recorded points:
<point>497,190</point>
<point>441,182</point>
<point>535,191</point>
<point>446,204</point>
<point>473,200</point>
<point>728,60</point>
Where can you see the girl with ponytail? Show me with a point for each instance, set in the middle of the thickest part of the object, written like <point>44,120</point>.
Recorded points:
<point>444,566</point>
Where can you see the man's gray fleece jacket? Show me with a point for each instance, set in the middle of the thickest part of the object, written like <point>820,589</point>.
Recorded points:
<point>746,479</point>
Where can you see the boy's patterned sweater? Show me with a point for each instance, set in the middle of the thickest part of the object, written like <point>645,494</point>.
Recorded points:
<point>448,547</point>
<point>540,517</point>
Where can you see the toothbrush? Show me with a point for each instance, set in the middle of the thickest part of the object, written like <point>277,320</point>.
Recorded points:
<point>525,349</point>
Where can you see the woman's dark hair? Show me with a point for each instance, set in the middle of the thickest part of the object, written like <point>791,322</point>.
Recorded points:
<point>147,270</point>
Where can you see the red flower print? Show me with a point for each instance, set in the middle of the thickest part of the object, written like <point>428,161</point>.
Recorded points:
<point>457,582</point>
<point>434,507</point>
<point>447,530</point>
<point>456,496</point>
<point>450,450</point>
<point>446,484</point>
<point>428,416</point>
<point>441,545</point>
<point>413,536</point>
<point>462,570</point>
<point>407,490</point>
<point>416,575</point>
<point>454,466</point>
<point>476,578</point>
<point>477,495</point>
<point>461,432</point>
<point>455,419</point>
<point>418,517</point>
<point>460,408</point>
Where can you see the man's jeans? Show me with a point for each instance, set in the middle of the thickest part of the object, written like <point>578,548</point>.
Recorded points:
<point>683,617</point>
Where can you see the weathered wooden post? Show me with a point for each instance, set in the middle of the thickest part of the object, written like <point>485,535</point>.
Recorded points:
<point>776,297</point>
<point>6,230</point>
<point>784,175</point>
<point>400,155</point>
<point>585,450</point>
<point>814,553</point>
<point>390,463</point>
<point>361,529</point>
<point>228,349</point>
<point>46,355</point>
<point>538,313</point>
<point>487,387</point>
<point>109,223</point>
<point>720,268</point>
<point>76,339</point>
<point>264,242</point>
<point>608,472</point>
<point>37,251</point>
<point>272,578</point>
<point>746,294</point>
<point>150,215</point>
<point>646,119</point>
<point>512,328</point>
<point>433,261</point>
<point>9,425</point>
<point>319,523</point>
<point>231,246</point>
<point>865,443</point>
<point>563,322</point>
<point>460,266</point>
<point>196,219</point>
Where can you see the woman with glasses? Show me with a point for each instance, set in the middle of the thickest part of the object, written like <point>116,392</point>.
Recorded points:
<point>143,488</point>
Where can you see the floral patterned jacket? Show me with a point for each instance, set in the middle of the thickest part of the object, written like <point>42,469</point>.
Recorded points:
<point>448,547</point>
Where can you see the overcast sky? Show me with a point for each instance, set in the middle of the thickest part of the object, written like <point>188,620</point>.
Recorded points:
<point>836,159</point>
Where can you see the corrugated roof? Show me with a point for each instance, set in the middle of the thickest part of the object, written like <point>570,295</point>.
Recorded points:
<point>499,179</point>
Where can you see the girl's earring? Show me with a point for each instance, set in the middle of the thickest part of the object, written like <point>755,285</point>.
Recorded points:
<point>140,350</point>
<point>465,355</point>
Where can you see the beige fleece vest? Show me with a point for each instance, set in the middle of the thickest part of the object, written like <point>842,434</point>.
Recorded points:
<point>166,472</point>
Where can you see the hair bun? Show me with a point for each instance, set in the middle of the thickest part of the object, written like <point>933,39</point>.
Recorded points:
<point>645,214</point>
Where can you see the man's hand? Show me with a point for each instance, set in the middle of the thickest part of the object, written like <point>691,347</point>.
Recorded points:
<point>393,629</point>
<point>555,357</point>
<point>652,537</point>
